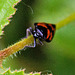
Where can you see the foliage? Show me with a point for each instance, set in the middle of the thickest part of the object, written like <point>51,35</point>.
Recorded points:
<point>59,54</point>
<point>6,11</point>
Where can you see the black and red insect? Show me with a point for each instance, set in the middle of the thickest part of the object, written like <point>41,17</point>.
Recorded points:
<point>42,31</point>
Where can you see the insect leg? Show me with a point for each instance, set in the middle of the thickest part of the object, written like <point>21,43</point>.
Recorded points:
<point>29,30</point>
<point>40,42</point>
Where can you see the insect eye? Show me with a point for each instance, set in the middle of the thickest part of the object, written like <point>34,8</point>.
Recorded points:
<point>34,31</point>
<point>37,33</point>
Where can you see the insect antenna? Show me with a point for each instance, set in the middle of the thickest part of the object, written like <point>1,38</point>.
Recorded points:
<point>28,7</point>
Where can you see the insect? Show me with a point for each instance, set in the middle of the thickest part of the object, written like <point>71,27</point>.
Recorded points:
<point>42,31</point>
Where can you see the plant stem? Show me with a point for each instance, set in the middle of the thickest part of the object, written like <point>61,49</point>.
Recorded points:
<point>14,48</point>
<point>65,21</point>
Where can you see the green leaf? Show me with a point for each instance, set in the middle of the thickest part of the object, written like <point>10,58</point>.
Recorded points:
<point>21,72</point>
<point>6,10</point>
<point>8,72</point>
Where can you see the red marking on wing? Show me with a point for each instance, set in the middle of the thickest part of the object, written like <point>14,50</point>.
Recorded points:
<point>42,24</point>
<point>50,36</point>
<point>48,33</point>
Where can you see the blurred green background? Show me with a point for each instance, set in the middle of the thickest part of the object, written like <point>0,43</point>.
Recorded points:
<point>57,56</point>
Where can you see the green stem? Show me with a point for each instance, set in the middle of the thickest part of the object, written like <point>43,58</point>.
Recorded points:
<point>27,41</point>
<point>14,48</point>
<point>65,21</point>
